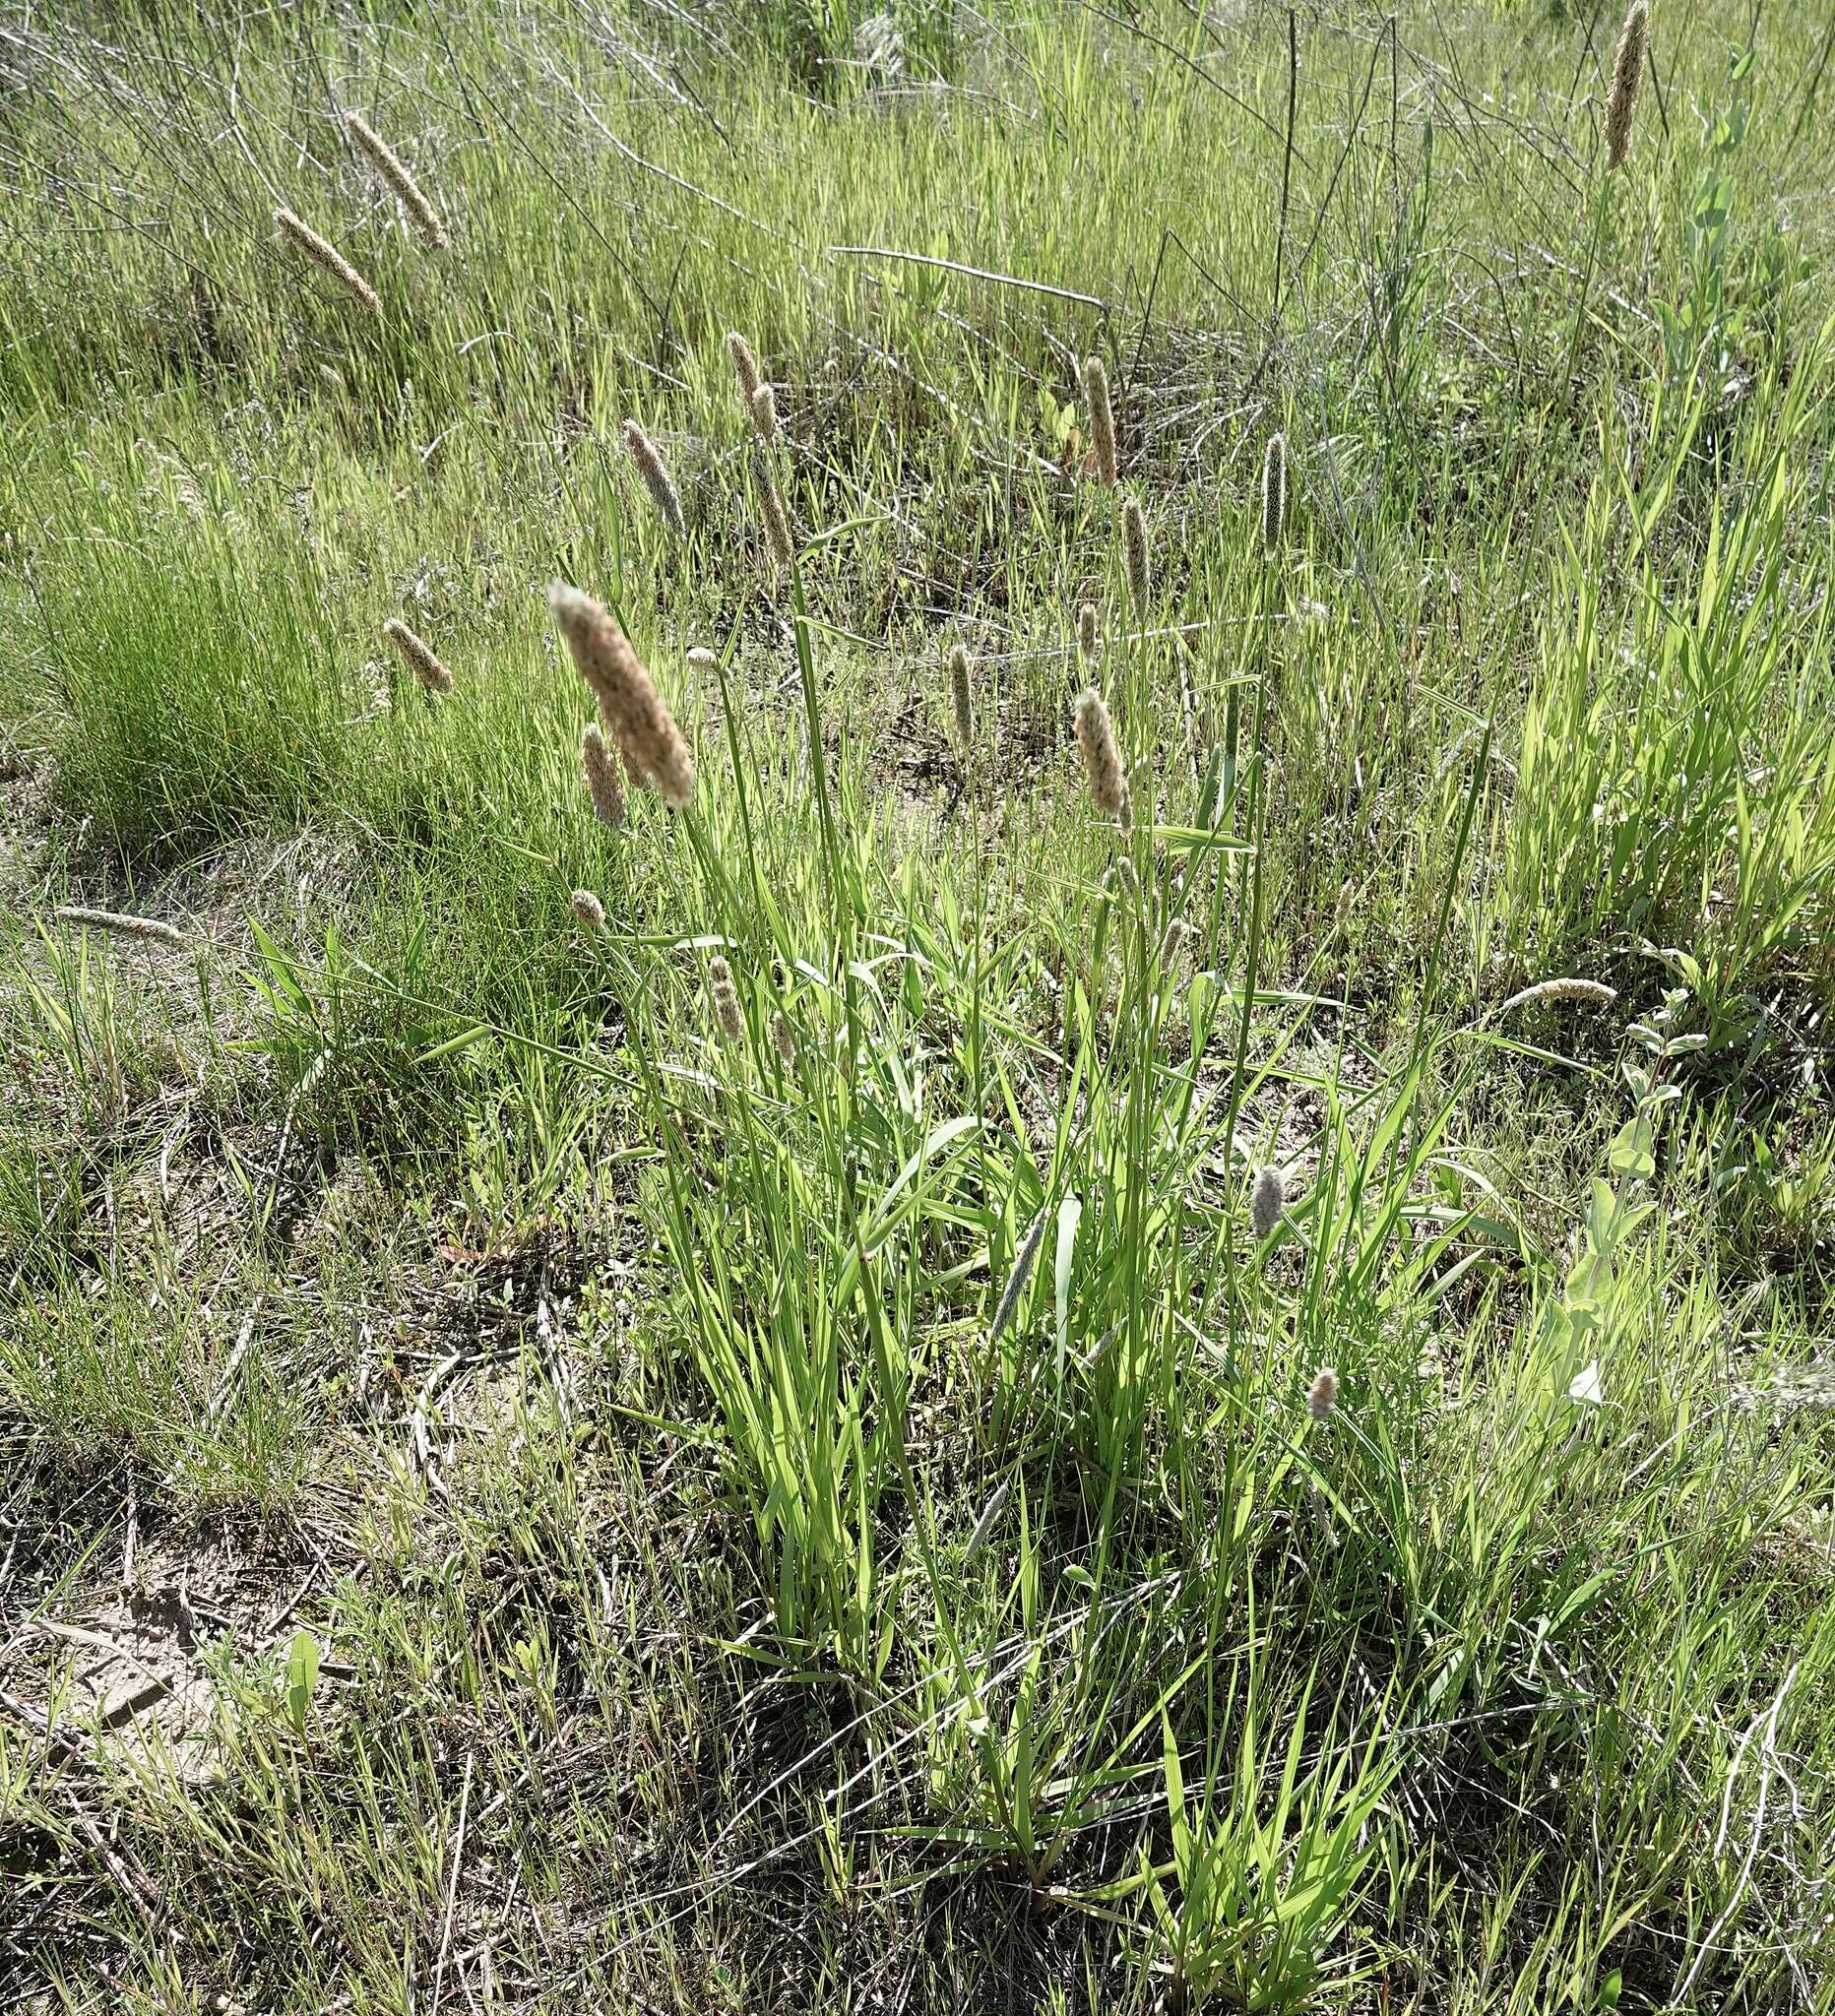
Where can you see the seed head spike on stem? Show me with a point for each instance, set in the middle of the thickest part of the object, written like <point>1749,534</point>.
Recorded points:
<point>629,704</point>
<point>657,478</point>
<point>390,166</point>
<point>323,253</point>
<point>1627,75</point>
<point>1102,758</point>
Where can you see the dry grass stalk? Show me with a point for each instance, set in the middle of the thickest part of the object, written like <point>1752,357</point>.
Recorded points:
<point>961,701</point>
<point>724,993</point>
<point>629,704</point>
<point>589,910</point>
<point>418,656</point>
<point>189,496</point>
<point>603,779</point>
<point>1102,419</point>
<point>1322,1394</point>
<point>1627,75</point>
<point>321,252</point>
<point>771,506</point>
<point>745,367</point>
<point>1102,759</point>
<point>657,479</point>
<point>1134,551</point>
<point>764,407</point>
<point>122,925</point>
<point>1267,1200</point>
<point>1273,493</point>
<point>390,166</point>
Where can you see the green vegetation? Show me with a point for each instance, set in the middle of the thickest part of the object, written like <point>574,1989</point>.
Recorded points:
<point>974,1400</point>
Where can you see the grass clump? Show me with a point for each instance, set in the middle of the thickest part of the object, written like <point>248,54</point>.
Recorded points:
<point>1107,1284</point>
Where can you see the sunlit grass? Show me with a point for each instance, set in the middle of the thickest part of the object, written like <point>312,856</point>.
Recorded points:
<point>1130,1312</point>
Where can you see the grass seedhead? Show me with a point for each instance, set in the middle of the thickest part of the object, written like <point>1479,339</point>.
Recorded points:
<point>327,257</point>
<point>1103,768</point>
<point>389,168</point>
<point>657,478</point>
<point>418,656</point>
<point>1102,419</point>
<point>629,704</point>
<point>1627,75</point>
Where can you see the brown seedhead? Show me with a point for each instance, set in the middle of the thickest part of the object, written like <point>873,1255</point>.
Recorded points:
<point>418,656</point>
<point>1322,1394</point>
<point>629,704</point>
<point>770,508</point>
<point>1102,419</point>
<point>390,166</point>
<point>323,253</point>
<point>1102,759</point>
<point>1134,551</point>
<point>657,479</point>
<point>1627,75</point>
<point>745,366</point>
<point>724,993</point>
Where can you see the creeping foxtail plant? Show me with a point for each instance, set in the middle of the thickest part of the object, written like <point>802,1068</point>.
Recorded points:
<point>1101,419</point>
<point>1273,493</point>
<point>589,910</point>
<point>323,253</point>
<point>764,405</point>
<point>418,656</point>
<point>603,779</point>
<point>961,701</point>
<point>745,366</point>
<point>1627,73</point>
<point>1267,1200</point>
<point>1089,635</point>
<point>724,994</point>
<point>657,479</point>
<point>121,923</point>
<point>781,1036</point>
<point>629,704</point>
<point>1134,551</point>
<point>1102,759</point>
<point>390,166</point>
<point>1322,1394</point>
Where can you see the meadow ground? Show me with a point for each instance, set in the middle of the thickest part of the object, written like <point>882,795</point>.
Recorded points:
<point>1020,1352</point>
